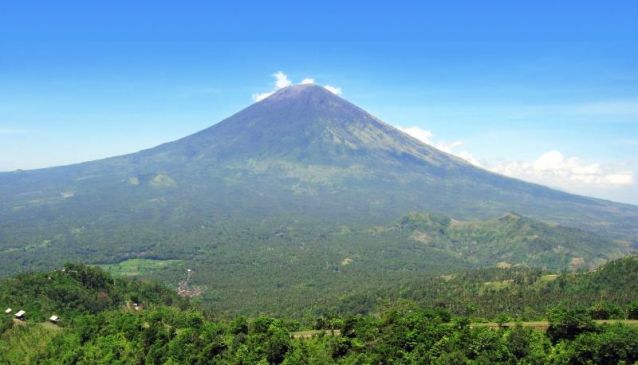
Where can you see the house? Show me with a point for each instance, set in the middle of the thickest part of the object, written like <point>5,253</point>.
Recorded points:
<point>20,315</point>
<point>7,311</point>
<point>54,319</point>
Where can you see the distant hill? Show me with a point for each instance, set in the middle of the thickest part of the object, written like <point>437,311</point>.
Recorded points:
<point>517,292</point>
<point>301,158</point>
<point>511,240</point>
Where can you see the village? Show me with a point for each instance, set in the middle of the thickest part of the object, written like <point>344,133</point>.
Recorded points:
<point>21,316</point>
<point>185,289</point>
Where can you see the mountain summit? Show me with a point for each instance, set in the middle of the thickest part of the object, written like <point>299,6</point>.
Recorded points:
<point>302,154</point>
<point>308,124</point>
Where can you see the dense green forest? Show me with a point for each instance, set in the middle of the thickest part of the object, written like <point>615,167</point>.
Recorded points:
<point>79,289</point>
<point>519,293</point>
<point>293,268</point>
<point>400,335</point>
<point>101,324</point>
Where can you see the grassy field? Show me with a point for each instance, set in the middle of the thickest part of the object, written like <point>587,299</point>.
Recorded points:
<point>137,267</point>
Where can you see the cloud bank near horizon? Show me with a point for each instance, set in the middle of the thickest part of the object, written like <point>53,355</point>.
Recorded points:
<point>550,168</point>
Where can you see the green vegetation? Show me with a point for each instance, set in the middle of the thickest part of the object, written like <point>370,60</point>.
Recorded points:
<point>296,269</point>
<point>165,329</point>
<point>609,292</point>
<point>23,342</point>
<point>511,240</point>
<point>298,204</point>
<point>78,289</point>
<point>281,214</point>
<point>402,334</point>
<point>137,267</point>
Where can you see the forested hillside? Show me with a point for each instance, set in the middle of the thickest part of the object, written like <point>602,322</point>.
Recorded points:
<point>515,293</point>
<point>163,329</point>
<point>79,289</point>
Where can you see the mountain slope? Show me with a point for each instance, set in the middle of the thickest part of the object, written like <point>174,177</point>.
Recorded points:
<point>302,154</point>
<point>510,240</point>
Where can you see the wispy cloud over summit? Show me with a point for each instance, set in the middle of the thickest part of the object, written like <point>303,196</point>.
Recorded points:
<point>282,80</point>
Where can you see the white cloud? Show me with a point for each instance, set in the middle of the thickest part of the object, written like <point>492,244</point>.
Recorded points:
<point>333,89</point>
<point>422,135</point>
<point>468,157</point>
<point>551,168</point>
<point>555,169</point>
<point>623,178</point>
<point>281,80</point>
<point>427,137</point>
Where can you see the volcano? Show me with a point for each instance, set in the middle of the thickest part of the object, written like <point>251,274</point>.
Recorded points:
<point>302,154</point>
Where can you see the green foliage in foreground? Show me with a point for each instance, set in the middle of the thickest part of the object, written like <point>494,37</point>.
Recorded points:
<point>166,330</point>
<point>22,344</point>
<point>78,289</point>
<point>404,334</point>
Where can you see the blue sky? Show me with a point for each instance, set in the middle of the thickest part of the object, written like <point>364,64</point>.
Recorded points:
<point>542,91</point>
